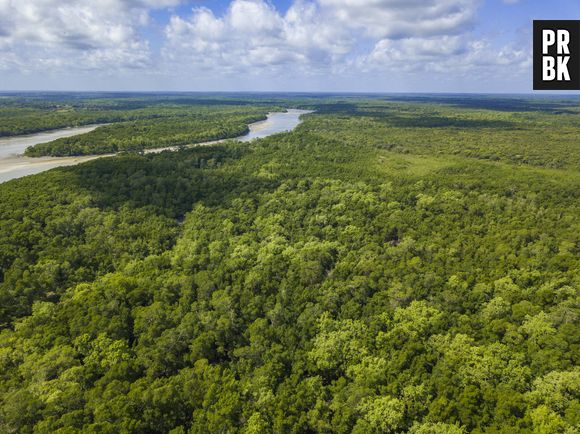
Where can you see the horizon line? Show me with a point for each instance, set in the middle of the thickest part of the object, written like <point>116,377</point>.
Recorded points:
<point>280,92</point>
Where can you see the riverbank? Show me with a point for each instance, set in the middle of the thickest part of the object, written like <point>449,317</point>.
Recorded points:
<point>16,145</point>
<point>15,165</point>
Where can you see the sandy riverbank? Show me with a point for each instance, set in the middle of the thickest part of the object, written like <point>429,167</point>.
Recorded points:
<point>15,165</point>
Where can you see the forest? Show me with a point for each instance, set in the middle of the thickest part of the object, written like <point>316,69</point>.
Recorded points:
<point>133,136</point>
<point>394,264</point>
<point>33,112</point>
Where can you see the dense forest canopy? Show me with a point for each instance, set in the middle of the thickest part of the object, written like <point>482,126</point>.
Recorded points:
<point>389,266</point>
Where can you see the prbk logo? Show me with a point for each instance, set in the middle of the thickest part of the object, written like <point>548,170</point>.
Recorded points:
<point>557,55</point>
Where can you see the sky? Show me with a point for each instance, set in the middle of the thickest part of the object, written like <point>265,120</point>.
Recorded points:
<point>272,45</point>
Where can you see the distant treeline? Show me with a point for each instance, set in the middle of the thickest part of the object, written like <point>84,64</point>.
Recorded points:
<point>31,115</point>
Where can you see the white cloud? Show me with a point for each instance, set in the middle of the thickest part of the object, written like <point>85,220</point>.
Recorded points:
<point>334,37</point>
<point>404,18</point>
<point>448,55</point>
<point>252,34</point>
<point>318,39</point>
<point>75,33</point>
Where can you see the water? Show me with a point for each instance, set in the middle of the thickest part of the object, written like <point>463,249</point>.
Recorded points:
<point>10,146</point>
<point>276,123</point>
<point>17,166</point>
<point>14,165</point>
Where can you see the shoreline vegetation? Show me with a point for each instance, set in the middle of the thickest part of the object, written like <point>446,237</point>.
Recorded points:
<point>31,113</point>
<point>137,136</point>
<point>14,165</point>
<point>390,265</point>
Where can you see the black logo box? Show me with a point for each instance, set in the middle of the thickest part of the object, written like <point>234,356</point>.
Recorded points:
<point>573,27</point>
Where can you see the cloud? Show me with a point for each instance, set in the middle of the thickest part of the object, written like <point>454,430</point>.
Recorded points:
<point>403,18</point>
<point>251,39</point>
<point>334,37</point>
<point>252,34</point>
<point>75,33</point>
<point>446,55</point>
<point>311,34</point>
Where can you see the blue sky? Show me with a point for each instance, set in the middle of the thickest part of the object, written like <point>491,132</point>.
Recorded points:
<point>262,45</point>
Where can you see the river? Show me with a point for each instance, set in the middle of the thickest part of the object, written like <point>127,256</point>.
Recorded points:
<point>15,165</point>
